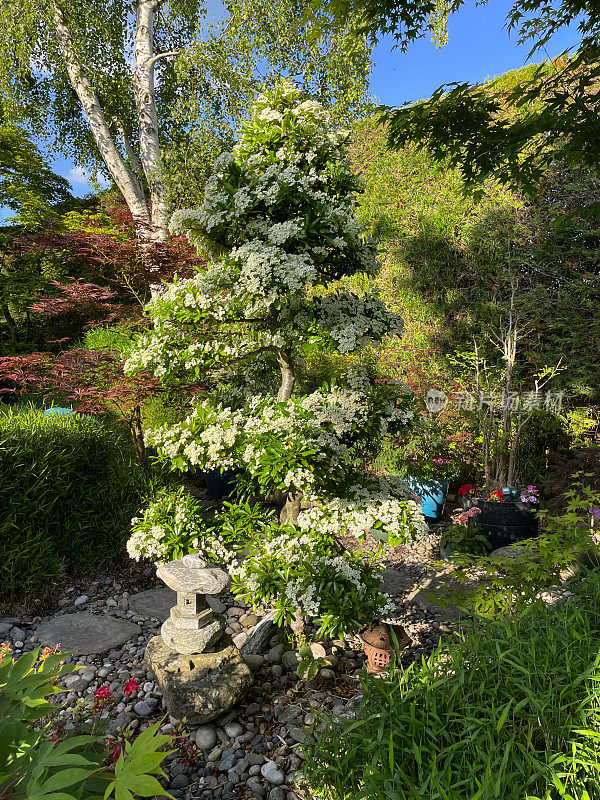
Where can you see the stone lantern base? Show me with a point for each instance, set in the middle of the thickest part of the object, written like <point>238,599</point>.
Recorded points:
<point>199,687</point>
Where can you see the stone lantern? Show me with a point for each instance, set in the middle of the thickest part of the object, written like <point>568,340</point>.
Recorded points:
<point>200,671</point>
<point>193,626</point>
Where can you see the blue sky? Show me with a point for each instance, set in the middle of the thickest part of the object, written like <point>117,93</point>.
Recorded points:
<point>478,47</point>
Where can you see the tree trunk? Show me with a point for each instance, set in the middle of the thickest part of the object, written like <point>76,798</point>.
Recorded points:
<point>284,358</point>
<point>150,219</point>
<point>10,322</point>
<point>297,624</point>
<point>137,434</point>
<point>291,510</point>
<point>143,88</point>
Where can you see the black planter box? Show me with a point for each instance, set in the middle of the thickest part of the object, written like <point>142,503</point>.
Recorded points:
<point>504,523</point>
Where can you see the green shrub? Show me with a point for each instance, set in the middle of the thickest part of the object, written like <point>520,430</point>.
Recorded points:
<point>33,765</point>
<point>166,409</point>
<point>510,712</point>
<point>68,489</point>
<point>110,337</point>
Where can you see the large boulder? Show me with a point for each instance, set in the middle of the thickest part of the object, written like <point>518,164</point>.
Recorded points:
<point>199,687</point>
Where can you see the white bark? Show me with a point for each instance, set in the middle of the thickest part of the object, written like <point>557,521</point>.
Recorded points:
<point>143,87</point>
<point>115,163</point>
<point>129,151</point>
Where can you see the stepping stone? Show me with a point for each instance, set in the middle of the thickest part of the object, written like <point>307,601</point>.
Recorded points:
<point>86,633</point>
<point>155,603</point>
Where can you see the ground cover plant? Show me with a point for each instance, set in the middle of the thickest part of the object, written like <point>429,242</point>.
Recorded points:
<point>278,220</point>
<point>35,762</point>
<point>69,487</point>
<point>509,711</point>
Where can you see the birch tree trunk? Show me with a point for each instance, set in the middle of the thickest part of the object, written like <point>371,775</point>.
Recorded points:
<point>151,217</point>
<point>125,179</point>
<point>288,378</point>
<point>145,103</point>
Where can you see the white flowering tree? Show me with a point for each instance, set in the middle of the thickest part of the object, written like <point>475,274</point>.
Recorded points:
<point>278,224</point>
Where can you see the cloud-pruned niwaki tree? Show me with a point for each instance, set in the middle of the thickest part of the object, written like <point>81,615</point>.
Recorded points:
<point>106,84</point>
<point>278,223</point>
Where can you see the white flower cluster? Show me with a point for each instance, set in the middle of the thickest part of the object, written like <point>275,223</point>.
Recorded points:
<point>353,322</point>
<point>147,542</point>
<point>323,421</point>
<point>389,509</point>
<point>170,526</point>
<point>300,560</point>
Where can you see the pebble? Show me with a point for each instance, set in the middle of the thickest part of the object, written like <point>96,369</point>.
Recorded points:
<point>81,600</point>
<point>275,653</point>
<point>142,709</point>
<point>254,660</point>
<point>318,650</point>
<point>179,782</point>
<point>205,737</point>
<point>290,659</point>
<point>270,773</point>
<point>256,786</point>
<point>233,730</point>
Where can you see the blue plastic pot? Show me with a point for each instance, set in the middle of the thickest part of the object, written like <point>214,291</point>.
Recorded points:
<point>433,496</point>
<point>62,411</point>
<point>221,484</point>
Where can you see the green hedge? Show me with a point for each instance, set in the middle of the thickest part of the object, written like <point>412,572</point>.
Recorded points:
<point>68,489</point>
<point>510,712</point>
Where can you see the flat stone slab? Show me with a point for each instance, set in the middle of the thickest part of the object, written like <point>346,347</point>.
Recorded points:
<point>155,603</point>
<point>86,633</point>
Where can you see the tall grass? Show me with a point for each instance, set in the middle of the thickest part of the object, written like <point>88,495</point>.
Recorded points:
<point>68,489</point>
<point>511,712</point>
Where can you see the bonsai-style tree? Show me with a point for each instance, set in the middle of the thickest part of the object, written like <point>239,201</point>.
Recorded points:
<point>278,217</point>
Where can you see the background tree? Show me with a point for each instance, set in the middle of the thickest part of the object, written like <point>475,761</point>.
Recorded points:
<point>28,185</point>
<point>93,65</point>
<point>509,132</point>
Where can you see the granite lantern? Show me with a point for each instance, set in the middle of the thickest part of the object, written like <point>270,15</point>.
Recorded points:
<point>198,668</point>
<point>192,627</point>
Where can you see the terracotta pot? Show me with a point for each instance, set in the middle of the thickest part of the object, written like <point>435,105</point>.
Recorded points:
<point>377,644</point>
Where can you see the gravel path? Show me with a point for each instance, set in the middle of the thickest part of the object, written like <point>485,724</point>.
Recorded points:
<point>253,751</point>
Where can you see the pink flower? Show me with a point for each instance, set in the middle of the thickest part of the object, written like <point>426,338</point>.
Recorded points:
<point>129,687</point>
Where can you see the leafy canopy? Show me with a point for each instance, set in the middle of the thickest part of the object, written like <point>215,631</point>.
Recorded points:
<point>27,184</point>
<point>200,95</point>
<point>511,132</point>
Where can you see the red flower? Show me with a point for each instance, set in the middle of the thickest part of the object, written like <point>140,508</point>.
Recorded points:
<point>129,687</point>
<point>103,693</point>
